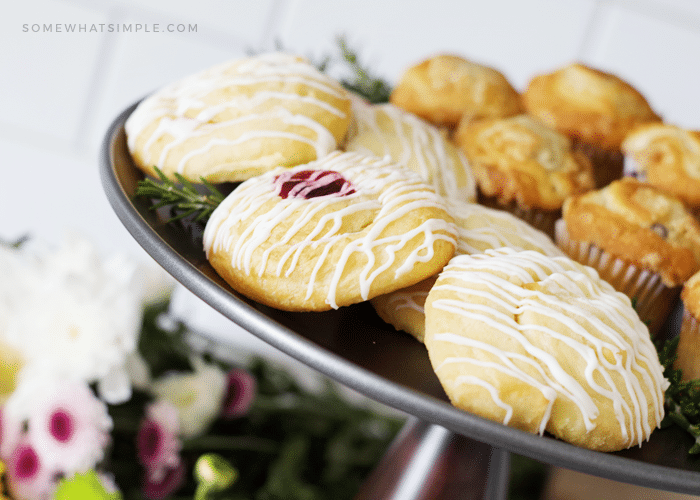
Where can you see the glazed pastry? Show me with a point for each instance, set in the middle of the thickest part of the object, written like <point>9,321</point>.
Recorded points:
<point>478,229</point>
<point>524,167</point>
<point>445,89</point>
<point>688,350</point>
<point>642,240</point>
<point>330,233</point>
<point>544,345</point>
<point>665,156</point>
<point>412,142</point>
<point>594,108</point>
<point>239,119</point>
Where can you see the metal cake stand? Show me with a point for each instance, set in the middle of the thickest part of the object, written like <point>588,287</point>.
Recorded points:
<point>441,449</point>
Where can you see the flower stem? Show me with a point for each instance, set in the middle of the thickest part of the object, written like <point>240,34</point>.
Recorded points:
<point>219,443</point>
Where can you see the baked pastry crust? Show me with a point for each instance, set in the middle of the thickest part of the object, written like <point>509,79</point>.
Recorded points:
<point>239,119</point>
<point>688,350</point>
<point>411,142</point>
<point>445,87</point>
<point>379,228</point>
<point>666,156</point>
<point>639,224</point>
<point>588,104</point>
<point>519,159</point>
<point>543,344</point>
<point>478,229</point>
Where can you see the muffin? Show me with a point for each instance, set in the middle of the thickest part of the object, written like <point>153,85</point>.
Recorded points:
<point>478,229</point>
<point>239,119</point>
<point>665,156</point>
<point>524,167</point>
<point>594,108</point>
<point>642,240</point>
<point>543,344</point>
<point>688,351</point>
<point>384,129</point>
<point>446,88</point>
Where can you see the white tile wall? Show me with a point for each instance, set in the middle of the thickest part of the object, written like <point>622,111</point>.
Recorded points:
<point>59,91</point>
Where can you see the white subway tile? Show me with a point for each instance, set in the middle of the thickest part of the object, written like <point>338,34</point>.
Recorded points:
<point>244,18</point>
<point>52,193</point>
<point>519,38</point>
<point>141,62</point>
<point>658,57</point>
<point>46,76</point>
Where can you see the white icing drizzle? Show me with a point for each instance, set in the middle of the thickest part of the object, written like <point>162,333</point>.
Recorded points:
<point>567,287</point>
<point>381,188</point>
<point>478,229</point>
<point>469,379</point>
<point>481,228</point>
<point>182,113</point>
<point>413,143</point>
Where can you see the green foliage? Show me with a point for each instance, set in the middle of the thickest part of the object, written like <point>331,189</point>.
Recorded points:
<point>682,397</point>
<point>364,83</point>
<point>181,196</point>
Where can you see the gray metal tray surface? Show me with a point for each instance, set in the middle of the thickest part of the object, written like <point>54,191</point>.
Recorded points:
<point>355,347</point>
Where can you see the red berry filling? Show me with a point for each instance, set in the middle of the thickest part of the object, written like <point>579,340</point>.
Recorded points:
<point>312,184</point>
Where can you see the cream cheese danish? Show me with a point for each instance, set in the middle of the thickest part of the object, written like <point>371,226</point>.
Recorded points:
<point>329,233</point>
<point>239,119</point>
<point>544,345</point>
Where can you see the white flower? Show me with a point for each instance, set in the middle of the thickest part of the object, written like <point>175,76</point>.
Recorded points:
<point>62,420</point>
<point>198,396</point>
<point>73,314</point>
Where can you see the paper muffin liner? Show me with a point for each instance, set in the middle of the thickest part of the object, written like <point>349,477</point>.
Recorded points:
<point>651,298</point>
<point>538,218</point>
<point>607,165</point>
<point>688,351</point>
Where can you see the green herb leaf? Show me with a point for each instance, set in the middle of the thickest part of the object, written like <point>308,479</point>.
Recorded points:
<point>184,198</point>
<point>366,84</point>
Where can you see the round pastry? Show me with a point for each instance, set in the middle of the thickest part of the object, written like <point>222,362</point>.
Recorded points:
<point>329,233</point>
<point>239,119</point>
<point>478,229</point>
<point>665,156</point>
<point>688,350</point>
<point>445,88</point>
<point>594,108</point>
<point>524,167</point>
<point>640,239</point>
<point>384,129</point>
<point>543,344</point>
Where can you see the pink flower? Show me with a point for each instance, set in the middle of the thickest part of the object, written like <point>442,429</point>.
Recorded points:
<point>70,427</point>
<point>172,480</point>
<point>28,478</point>
<point>240,393</point>
<point>157,442</point>
<point>66,425</point>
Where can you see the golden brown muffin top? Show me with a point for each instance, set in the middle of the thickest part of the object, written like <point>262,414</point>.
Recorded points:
<point>587,104</point>
<point>519,159</point>
<point>666,156</point>
<point>638,223</point>
<point>691,295</point>
<point>443,88</point>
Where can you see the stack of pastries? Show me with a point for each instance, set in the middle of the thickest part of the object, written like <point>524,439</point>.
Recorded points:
<point>502,234</point>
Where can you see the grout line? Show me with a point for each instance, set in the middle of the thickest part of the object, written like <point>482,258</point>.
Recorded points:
<point>676,15</point>
<point>591,33</point>
<point>279,12</point>
<point>98,82</point>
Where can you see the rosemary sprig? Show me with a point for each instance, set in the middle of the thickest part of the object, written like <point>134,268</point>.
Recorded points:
<point>185,200</point>
<point>682,398</point>
<point>370,86</point>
